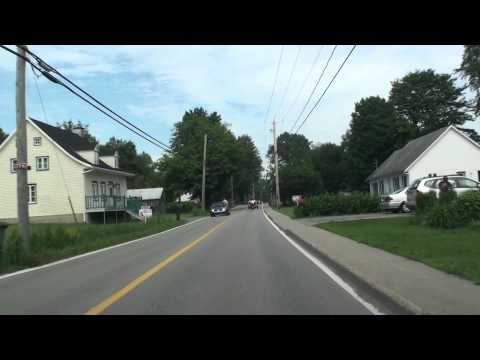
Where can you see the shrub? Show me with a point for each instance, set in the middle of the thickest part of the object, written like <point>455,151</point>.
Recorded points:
<point>185,207</point>
<point>447,197</point>
<point>298,212</point>
<point>445,216</point>
<point>468,205</point>
<point>425,202</point>
<point>338,204</point>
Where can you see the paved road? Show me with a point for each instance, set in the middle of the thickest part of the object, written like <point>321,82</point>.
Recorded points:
<point>239,264</point>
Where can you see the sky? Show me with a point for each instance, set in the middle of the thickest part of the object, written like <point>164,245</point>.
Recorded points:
<point>153,86</point>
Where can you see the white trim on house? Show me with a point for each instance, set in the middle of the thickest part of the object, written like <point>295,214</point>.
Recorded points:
<point>9,137</point>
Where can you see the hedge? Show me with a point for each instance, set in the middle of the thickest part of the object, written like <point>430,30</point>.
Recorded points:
<point>338,204</point>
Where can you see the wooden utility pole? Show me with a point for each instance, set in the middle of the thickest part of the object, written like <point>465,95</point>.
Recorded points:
<point>277,186</point>
<point>22,161</point>
<point>204,168</point>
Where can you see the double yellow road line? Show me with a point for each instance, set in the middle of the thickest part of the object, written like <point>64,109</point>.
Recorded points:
<point>97,309</point>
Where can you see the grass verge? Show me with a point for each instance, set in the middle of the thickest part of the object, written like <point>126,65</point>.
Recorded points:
<point>52,242</point>
<point>287,210</point>
<point>456,251</point>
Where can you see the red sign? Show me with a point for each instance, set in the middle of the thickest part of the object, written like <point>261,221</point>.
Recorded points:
<point>22,166</point>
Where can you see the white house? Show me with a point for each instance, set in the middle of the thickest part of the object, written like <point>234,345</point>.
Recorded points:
<point>68,179</point>
<point>446,151</point>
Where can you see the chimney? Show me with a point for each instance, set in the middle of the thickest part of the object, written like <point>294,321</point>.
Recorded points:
<point>80,131</point>
<point>116,162</point>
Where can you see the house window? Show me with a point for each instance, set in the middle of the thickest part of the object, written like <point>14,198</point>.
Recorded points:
<point>396,183</point>
<point>42,163</point>
<point>117,189</point>
<point>32,193</point>
<point>37,141</point>
<point>382,190</point>
<point>103,188</point>
<point>478,175</point>
<point>95,188</point>
<point>110,188</point>
<point>375,188</point>
<point>404,181</point>
<point>13,164</point>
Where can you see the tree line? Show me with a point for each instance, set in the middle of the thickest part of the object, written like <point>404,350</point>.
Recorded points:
<point>418,103</point>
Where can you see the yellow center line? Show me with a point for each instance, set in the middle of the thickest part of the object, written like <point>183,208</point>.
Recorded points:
<point>97,309</point>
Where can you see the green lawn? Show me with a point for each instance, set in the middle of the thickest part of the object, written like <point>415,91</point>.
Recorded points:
<point>455,251</point>
<point>51,242</point>
<point>287,210</point>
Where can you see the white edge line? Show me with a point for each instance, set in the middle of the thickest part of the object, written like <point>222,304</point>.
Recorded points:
<point>327,270</point>
<point>96,251</point>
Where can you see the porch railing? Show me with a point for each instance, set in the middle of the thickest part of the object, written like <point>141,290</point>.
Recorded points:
<point>105,202</point>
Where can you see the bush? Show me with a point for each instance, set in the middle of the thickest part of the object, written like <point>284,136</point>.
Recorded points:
<point>298,212</point>
<point>445,216</point>
<point>199,212</point>
<point>447,197</point>
<point>425,202</point>
<point>468,205</point>
<point>338,204</point>
<point>185,207</point>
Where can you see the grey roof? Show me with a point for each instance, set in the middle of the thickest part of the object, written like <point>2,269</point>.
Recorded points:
<point>71,143</point>
<point>401,159</point>
<point>146,194</point>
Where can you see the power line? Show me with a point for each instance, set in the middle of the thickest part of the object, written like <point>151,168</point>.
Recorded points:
<point>57,81</point>
<point>48,67</point>
<point>315,88</point>
<point>274,85</point>
<point>289,79</point>
<point>304,83</point>
<point>328,86</point>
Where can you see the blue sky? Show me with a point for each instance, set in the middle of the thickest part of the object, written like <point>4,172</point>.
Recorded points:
<point>152,86</point>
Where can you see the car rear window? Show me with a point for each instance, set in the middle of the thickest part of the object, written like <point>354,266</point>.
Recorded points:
<point>466,183</point>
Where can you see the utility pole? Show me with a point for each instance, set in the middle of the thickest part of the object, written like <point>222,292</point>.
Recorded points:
<point>277,186</point>
<point>204,165</point>
<point>21,142</point>
<point>231,185</point>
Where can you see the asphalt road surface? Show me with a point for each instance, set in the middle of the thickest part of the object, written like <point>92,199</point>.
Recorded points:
<point>237,264</point>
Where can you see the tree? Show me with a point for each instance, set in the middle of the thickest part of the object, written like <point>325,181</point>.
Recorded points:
<point>425,101</point>
<point>183,167</point>
<point>370,139</point>
<point>70,125</point>
<point>470,70</point>
<point>129,160</point>
<point>3,135</point>
<point>329,161</point>
<point>296,172</point>
<point>248,167</point>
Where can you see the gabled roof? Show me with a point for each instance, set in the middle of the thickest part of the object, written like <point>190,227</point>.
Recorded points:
<point>401,159</point>
<point>146,194</point>
<point>71,143</point>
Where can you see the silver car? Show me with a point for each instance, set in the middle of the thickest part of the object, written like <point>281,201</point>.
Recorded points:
<point>395,201</point>
<point>460,184</point>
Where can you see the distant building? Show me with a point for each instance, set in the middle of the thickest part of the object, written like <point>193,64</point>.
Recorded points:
<point>151,197</point>
<point>446,151</point>
<point>68,179</point>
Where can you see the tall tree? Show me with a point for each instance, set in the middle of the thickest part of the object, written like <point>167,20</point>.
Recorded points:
<point>470,70</point>
<point>425,101</point>
<point>183,167</point>
<point>248,167</point>
<point>329,161</point>
<point>3,135</point>
<point>296,172</point>
<point>70,125</point>
<point>369,140</point>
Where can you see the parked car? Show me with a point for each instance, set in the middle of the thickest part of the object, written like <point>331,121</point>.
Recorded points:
<point>395,201</point>
<point>460,184</point>
<point>219,208</point>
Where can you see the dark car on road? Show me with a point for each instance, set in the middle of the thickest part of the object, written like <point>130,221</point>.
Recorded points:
<point>219,208</point>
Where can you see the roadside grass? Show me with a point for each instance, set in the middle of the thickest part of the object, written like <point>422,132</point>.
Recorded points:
<point>287,210</point>
<point>455,251</point>
<point>52,242</point>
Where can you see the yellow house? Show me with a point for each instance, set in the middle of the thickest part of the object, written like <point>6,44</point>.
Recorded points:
<point>68,180</point>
